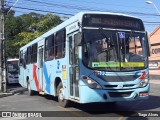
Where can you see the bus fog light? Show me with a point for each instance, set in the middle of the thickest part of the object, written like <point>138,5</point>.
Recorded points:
<point>142,94</point>
<point>91,83</point>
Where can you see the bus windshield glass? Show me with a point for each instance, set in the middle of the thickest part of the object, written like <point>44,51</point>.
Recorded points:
<point>114,50</point>
<point>12,67</point>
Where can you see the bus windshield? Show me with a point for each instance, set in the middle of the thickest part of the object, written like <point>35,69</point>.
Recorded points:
<point>114,50</point>
<point>12,67</point>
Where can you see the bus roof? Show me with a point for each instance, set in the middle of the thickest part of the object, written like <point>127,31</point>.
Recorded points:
<point>12,59</point>
<point>77,17</point>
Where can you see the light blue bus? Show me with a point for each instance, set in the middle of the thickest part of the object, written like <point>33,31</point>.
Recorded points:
<point>91,57</point>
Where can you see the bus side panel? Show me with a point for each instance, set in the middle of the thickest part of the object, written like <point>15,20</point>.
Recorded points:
<point>22,70</point>
<point>50,80</point>
<point>32,79</point>
<point>21,75</point>
<point>52,70</point>
<point>47,68</point>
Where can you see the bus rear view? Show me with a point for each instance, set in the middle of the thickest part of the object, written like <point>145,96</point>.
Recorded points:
<point>12,71</point>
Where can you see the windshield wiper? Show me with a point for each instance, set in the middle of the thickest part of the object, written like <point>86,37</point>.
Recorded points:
<point>110,44</point>
<point>102,32</point>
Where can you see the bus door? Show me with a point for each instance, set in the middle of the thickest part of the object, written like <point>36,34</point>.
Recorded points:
<point>73,61</point>
<point>40,67</point>
<point>22,68</point>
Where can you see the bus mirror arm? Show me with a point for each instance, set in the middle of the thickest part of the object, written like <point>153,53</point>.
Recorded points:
<point>149,45</point>
<point>24,63</point>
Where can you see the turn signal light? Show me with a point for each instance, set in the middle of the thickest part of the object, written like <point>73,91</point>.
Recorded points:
<point>142,94</point>
<point>143,75</point>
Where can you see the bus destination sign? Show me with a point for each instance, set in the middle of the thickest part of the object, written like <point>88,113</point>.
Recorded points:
<point>112,21</point>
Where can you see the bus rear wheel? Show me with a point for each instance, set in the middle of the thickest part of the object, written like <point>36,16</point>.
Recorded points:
<point>62,101</point>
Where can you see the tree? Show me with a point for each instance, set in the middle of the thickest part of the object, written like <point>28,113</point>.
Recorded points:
<point>25,28</point>
<point>47,22</point>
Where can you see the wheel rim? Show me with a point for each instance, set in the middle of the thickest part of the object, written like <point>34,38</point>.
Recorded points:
<point>61,94</point>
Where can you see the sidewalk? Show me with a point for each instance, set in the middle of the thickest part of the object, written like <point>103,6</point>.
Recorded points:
<point>12,92</point>
<point>155,81</point>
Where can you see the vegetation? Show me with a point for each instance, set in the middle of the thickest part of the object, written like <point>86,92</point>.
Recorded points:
<point>24,28</point>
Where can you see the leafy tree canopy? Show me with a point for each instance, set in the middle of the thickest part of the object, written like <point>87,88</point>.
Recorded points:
<point>24,28</point>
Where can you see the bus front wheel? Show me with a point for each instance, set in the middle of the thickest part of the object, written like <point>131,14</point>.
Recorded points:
<point>60,91</point>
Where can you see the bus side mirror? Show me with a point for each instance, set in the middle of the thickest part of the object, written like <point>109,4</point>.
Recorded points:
<point>24,63</point>
<point>78,39</point>
<point>20,61</point>
<point>149,45</point>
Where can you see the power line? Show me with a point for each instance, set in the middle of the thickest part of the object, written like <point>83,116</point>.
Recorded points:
<point>121,5</point>
<point>43,11</point>
<point>88,9</point>
<point>153,22</point>
<point>62,13</point>
<point>12,6</point>
<point>35,5</point>
<point>64,6</point>
<point>78,8</point>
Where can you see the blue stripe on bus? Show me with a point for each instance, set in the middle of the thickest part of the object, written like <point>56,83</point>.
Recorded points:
<point>47,78</point>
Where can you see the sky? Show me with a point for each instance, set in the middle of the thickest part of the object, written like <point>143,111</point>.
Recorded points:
<point>149,13</point>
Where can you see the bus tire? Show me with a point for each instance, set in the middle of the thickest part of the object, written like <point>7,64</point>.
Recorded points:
<point>60,92</point>
<point>30,92</point>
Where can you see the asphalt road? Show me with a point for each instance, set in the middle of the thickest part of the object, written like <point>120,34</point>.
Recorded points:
<point>23,102</point>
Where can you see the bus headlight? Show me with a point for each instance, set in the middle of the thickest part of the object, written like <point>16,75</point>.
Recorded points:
<point>144,80</point>
<point>91,83</point>
<point>143,83</point>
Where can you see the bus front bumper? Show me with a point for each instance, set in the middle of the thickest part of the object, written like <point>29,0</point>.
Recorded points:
<point>88,95</point>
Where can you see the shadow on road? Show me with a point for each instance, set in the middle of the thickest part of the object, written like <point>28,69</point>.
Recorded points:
<point>131,108</point>
<point>150,104</point>
<point>128,109</point>
<point>13,86</point>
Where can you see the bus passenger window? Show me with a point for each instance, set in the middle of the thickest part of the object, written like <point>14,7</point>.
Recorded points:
<point>49,48</point>
<point>60,44</point>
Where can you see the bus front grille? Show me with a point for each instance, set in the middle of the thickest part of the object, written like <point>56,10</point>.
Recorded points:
<point>126,86</point>
<point>119,78</point>
<point>119,94</point>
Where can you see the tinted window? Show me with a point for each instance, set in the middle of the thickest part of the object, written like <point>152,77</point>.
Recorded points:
<point>34,53</point>
<point>49,48</point>
<point>60,44</point>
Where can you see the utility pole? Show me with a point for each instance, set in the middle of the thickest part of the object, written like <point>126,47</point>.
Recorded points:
<point>2,49</point>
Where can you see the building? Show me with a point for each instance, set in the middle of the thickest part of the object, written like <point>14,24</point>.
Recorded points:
<point>154,59</point>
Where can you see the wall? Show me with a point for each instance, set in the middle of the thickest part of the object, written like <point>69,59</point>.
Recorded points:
<point>154,59</point>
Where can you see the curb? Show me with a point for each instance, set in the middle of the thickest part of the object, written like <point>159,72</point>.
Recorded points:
<point>9,93</point>
<point>5,94</point>
<point>18,91</point>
